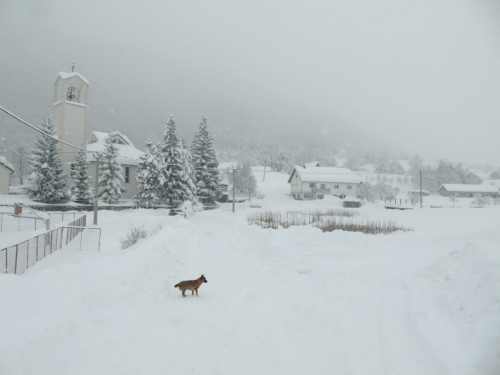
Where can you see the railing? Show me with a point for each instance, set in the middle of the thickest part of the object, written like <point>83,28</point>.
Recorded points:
<point>10,223</point>
<point>319,190</point>
<point>18,258</point>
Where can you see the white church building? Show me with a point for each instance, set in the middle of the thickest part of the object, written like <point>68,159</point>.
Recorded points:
<point>70,110</point>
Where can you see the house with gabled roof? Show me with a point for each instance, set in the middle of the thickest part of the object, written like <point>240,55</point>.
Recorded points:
<point>315,182</point>
<point>128,157</point>
<point>6,169</point>
<point>468,190</point>
<point>476,178</point>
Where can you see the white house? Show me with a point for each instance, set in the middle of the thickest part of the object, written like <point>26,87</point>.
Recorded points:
<point>315,182</point>
<point>6,169</point>
<point>476,178</point>
<point>468,190</point>
<point>128,158</point>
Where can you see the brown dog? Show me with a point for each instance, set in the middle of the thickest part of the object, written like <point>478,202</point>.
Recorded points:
<point>192,285</point>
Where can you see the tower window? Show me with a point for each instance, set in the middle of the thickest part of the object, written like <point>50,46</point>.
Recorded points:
<point>127,174</point>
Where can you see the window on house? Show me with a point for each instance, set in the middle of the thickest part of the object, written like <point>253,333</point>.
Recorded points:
<point>118,140</point>
<point>323,186</point>
<point>349,186</point>
<point>336,186</point>
<point>312,184</point>
<point>127,174</point>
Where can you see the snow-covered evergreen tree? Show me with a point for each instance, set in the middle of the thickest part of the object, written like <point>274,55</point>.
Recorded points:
<point>174,184</point>
<point>205,164</point>
<point>148,177</point>
<point>110,174</point>
<point>46,182</point>
<point>81,191</point>
<point>189,174</point>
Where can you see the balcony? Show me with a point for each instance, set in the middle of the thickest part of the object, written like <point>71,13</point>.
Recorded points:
<point>321,191</point>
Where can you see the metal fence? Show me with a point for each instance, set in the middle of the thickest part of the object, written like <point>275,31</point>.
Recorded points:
<point>10,223</point>
<point>18,258</point>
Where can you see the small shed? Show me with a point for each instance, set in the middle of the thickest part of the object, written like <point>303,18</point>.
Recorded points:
<point>6,169</point>
<point>351,202</point>
<point>224,195</point>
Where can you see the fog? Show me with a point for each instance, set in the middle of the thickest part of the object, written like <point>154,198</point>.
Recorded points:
<point>418,77</point>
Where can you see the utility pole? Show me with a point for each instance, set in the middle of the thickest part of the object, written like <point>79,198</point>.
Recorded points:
<point>96,190</point>
<point>265,164</point>
<point>234,169</point>
<point>420,188</point>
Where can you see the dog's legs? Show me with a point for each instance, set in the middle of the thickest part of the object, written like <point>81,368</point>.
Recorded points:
<point>192,292</point>
<point>183,292</point>
<point>196,292</point>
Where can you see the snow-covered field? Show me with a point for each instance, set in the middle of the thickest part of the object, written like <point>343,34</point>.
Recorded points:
<point>287,301</point>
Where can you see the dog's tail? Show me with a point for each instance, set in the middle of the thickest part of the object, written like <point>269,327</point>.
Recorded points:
<point>176,285</point>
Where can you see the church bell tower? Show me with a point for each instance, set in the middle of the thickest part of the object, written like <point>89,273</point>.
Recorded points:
<point>70,114</point>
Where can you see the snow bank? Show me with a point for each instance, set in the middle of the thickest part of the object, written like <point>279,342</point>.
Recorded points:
<point>287,301</point>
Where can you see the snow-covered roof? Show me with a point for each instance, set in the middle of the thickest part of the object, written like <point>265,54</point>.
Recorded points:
<point>469,188</point>
<point>128,154</point>
<point>312,164</point>
<point>481,175</point>
<point>351,198</point>
<point>491,182</point>
<point>6,163</point>
<point>64,75</point>
<point>326,174</point>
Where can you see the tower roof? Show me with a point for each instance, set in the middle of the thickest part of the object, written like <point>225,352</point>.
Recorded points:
<point>64,75</point>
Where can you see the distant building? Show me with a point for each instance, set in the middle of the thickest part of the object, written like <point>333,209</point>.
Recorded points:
<point>224,194</point>
<point>312,164</point>
<point>315,182</point>
<point>468,190</point>
<point>6,169</point>
<point>128,158</point>
<point>476,178</point>
<point>492,182</point>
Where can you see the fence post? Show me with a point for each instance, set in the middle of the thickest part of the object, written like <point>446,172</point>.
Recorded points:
<point>81,237</point>
<point>15,265</point>
<point>28,254</point>
<point>51,241</point>
<point>99,243</point>
<point>6,261</point>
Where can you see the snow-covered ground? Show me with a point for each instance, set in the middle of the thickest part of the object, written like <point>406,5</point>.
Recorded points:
<point>286,301</point>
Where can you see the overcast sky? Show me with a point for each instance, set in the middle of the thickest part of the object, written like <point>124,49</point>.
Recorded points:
<point>424,74</point>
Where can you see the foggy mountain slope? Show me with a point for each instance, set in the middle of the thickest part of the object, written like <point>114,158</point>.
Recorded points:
<point>135,95</point>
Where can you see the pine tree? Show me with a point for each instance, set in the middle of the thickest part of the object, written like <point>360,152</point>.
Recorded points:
<point>81,192</point>
<point>205,165</point>
<point>110,174</point>
<point>46,183</point>
<point>189,175</point>
<point>174,185</point>
<point>148,177</point>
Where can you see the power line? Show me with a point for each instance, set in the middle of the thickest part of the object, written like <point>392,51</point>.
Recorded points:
<point>57,139</point>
